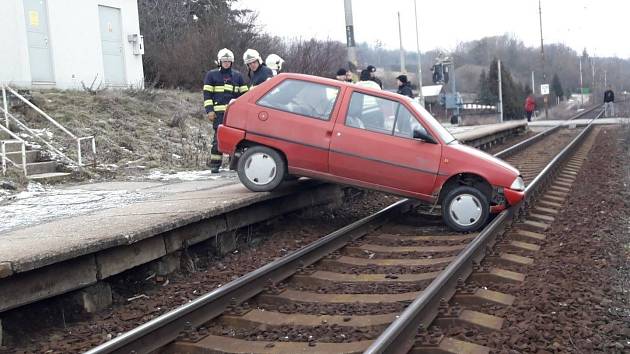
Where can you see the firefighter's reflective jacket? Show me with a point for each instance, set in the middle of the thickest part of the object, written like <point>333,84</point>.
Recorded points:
<point>220,86</point>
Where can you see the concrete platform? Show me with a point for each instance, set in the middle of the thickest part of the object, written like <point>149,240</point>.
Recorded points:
<point>77,236</point>
<point>45,260</point>
<point>484,136</point>
<point>578,122</point>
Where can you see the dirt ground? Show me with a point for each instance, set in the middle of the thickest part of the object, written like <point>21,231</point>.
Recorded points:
<point>576,295</point>
<point>135,130</point>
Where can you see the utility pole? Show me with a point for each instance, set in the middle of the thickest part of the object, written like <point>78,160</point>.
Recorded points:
<point>402,50</point>
<point>581,85</point>
<point>593,72</point>
<point>500,91</point>
<point>420,95</point>
<point>542,55</point>
<point>605,80</point>
<point>352,50</point>
<point>533,85</point>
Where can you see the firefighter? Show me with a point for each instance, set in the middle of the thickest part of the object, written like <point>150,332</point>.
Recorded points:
<point>220,86</point>
<point>274,62</point>
<point>258,71</point>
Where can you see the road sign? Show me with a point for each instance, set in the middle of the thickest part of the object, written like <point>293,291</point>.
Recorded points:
<point>544,89</point>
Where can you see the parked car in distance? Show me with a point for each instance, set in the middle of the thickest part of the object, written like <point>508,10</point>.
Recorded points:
<point>303,125</point>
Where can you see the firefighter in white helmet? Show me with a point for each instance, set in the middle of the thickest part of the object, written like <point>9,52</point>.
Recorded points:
<point>274,62</point>
<point>219,87</point>
<point>258,71</point>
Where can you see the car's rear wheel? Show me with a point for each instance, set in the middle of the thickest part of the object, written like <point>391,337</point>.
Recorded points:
<point>261,169</point>
<point>465,209</point>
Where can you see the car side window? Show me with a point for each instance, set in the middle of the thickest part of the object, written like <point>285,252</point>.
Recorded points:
<point>371,113</point>
<point>406,123</point>
<point>303,98</point>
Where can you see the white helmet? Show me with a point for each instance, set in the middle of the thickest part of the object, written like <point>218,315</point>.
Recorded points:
<point>274,62</point>
<point>251,55</point>
<point>225,55</point>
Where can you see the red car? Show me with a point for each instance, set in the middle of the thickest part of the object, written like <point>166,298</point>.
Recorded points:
<point>330,130</point>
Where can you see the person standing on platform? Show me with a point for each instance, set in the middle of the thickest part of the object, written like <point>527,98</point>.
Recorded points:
<point>609,102</point>
<point>220,86</point>
<point>372,70</point>
<point>530,106</point>
<point>404,86</point>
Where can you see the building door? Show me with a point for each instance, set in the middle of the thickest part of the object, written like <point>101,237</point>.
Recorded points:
<point>38,41</point>
<point>112,45</point>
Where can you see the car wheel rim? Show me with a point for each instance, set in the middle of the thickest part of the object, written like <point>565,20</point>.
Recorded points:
<point>260,169</point>
<point>465,210</point>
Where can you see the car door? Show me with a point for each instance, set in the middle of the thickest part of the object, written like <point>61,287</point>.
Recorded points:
<point>374,146</point>
<point>295,117</point>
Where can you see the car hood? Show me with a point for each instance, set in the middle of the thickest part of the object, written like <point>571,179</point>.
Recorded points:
<point>484,156</point>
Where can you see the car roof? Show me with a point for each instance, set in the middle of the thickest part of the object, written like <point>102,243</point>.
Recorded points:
<point>333,82</point>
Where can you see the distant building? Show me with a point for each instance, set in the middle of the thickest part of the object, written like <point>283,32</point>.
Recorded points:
<point>61,43</point>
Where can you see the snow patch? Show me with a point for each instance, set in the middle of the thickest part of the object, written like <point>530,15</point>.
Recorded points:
<point>183,176</point>
<point>39,204</point>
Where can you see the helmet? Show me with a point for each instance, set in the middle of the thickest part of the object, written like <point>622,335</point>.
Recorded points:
<point>274,62</point>
<point>225,55</point>
<point>251,55</point>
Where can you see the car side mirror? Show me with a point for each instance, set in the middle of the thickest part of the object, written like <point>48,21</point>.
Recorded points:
<point>421,134</point>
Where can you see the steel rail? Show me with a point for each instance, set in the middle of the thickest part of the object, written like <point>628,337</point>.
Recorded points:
<point>164,329</point>
<point>534,139</point>
<point>399,336</point>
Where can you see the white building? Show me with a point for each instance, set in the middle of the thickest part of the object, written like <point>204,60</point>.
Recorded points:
<point>61,43</point>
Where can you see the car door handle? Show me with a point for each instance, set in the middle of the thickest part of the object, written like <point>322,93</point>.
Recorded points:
<point>329,132</point>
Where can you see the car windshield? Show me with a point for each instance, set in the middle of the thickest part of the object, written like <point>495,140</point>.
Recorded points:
<point>436,127</point>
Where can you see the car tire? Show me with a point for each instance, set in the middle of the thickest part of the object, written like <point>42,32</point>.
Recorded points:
<point>261,169</point>
<point>465,209</point>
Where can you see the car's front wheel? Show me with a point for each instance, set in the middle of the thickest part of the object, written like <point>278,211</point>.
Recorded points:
<point>465,209</point>
<point>261,169</point>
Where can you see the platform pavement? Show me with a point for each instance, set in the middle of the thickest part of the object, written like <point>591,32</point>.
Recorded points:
<point>600,121</point>
<point>105,242</point>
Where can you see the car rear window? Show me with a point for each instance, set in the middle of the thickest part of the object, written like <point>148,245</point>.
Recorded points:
<point>301,97</point>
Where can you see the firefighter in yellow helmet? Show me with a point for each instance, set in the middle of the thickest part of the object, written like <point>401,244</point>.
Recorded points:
<point>219,87</point>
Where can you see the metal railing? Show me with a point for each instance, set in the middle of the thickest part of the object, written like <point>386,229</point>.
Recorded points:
<point>3,150</point>
<point>8,116</point>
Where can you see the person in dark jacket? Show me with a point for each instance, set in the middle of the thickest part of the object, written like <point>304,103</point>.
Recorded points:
<point>404,86</point>
<point>372,70</point>
<point>258,71</point>
<point>220,86</point>
<point>609,102</point>
<point>344,75</point>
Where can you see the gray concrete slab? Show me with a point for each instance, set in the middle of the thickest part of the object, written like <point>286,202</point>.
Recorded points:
<point>37,246</point>
<point>478,131</point>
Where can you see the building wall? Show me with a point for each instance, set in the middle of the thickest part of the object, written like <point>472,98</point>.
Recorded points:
<point>14,65</point>
<point>75,42</point>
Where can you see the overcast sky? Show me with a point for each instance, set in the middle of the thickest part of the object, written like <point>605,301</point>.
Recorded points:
<point>602,27</point>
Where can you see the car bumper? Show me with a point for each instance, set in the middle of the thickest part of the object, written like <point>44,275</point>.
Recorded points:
<point>513,197</point>
<point>228,139</point>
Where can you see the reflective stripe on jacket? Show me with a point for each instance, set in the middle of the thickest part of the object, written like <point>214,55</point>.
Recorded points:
<point>220,86</point>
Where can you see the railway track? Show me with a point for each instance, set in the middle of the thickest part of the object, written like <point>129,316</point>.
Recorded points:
<point>395,281</point>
